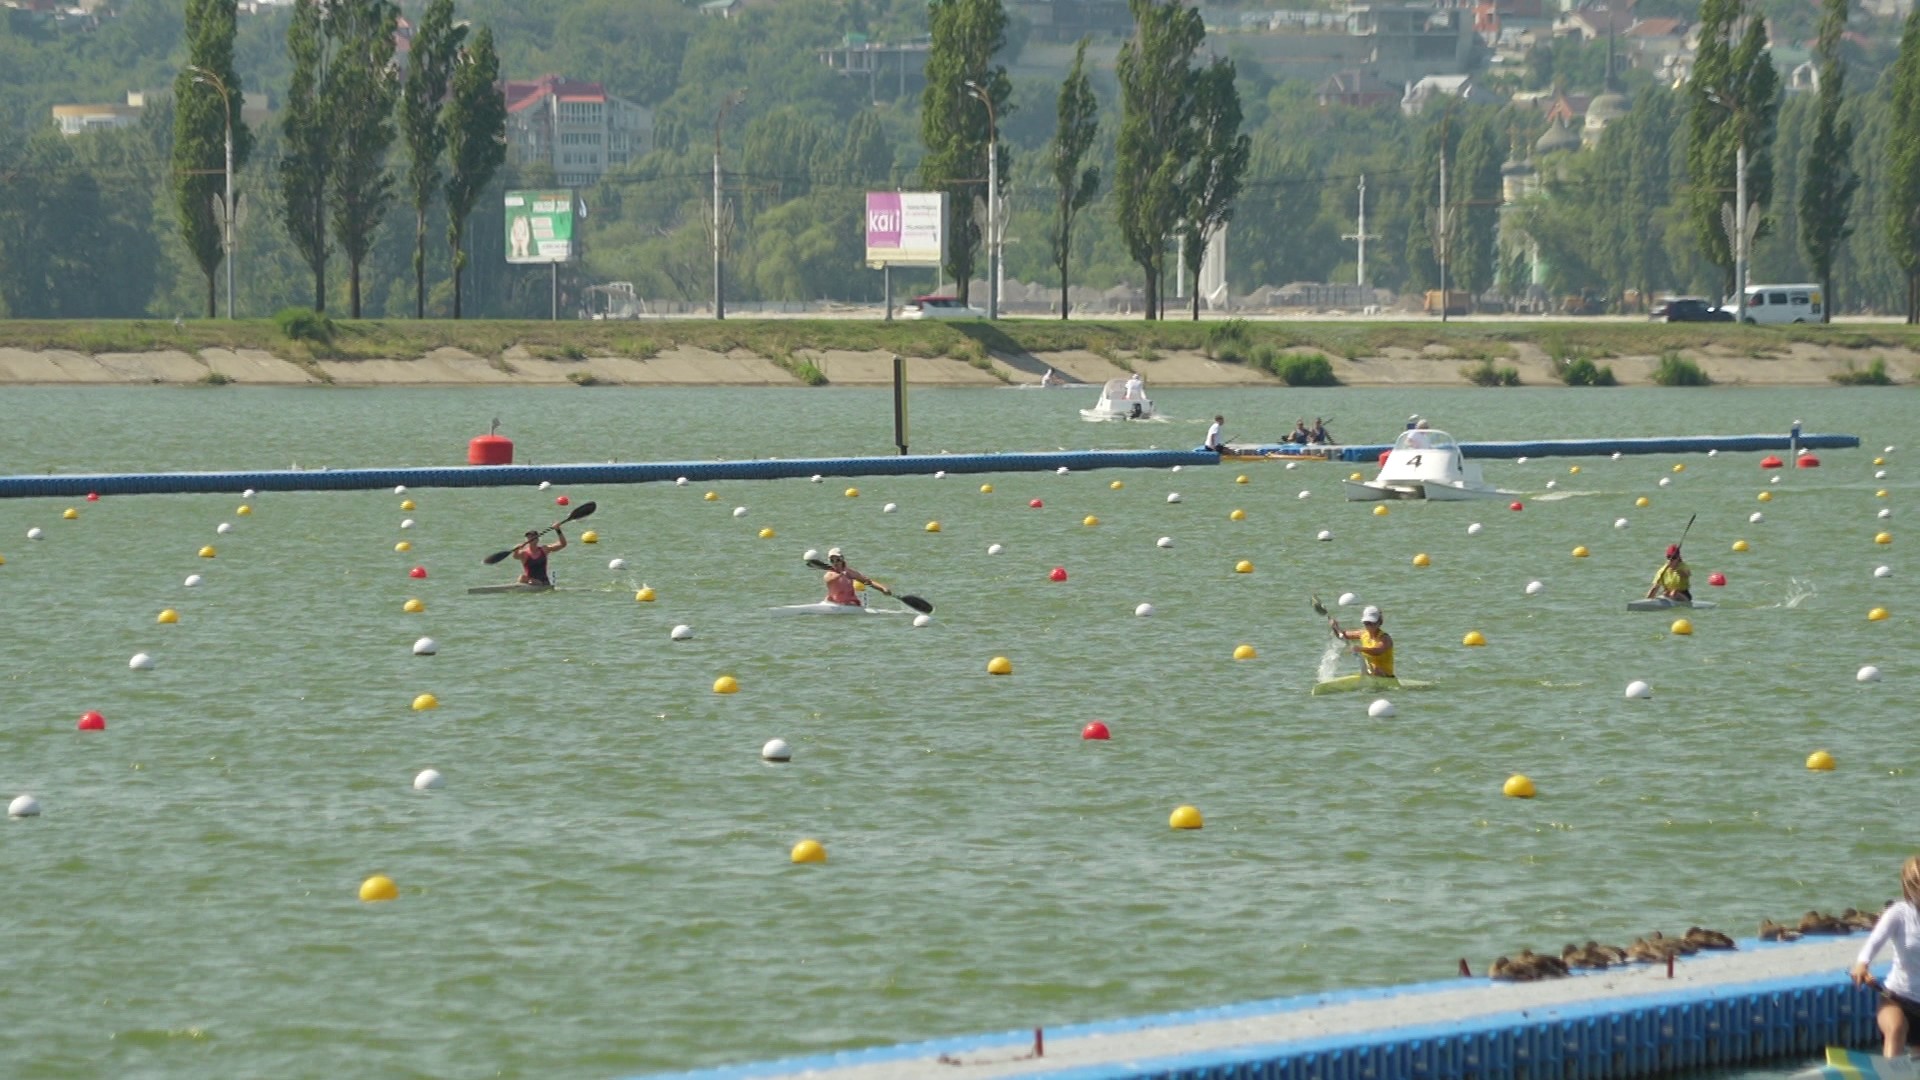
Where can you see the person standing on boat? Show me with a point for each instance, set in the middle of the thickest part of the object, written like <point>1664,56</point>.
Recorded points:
<point>533,557</point>
<point>1899,1014</point>
<point>1419,439</point>
<point>1376,645</point>
<point>1049,379</point>
<point>840,579</point>
<point>1673,580</point>
<point>1214,441</point>
<point>1136,388</point>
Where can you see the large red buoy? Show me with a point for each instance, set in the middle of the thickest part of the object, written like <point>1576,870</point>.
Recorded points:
<point>492,448</point>
<point>1771,462</point>
<point>1383,456</point>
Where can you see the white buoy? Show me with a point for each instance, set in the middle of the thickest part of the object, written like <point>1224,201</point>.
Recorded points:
<point>193,581</point>
<point>1304,495</point>
<point>1520,461</point>
<point>1473,529</point>
<point>811,555</point>
<point>1381,709</point>
<point>994,549</point>
<point>940,474</point>
<point>1619,523</point>
<point>776,750</point>
<point>1616,455</point>
<point>247,494</point>
<point>1551,484</point>
<point>1173,496</point>
<point>1883,571</point>
<point>683,632</point>
<point>923,620</point>
<point>739,511</point>
<point>1348,599</point>
<point>616,564</point>
<point>406,523</point>
<point>1061,471</point>
<point>1535,588</point>
<point>1774,480</point>
<point>1886,450</point>
<point>1713,453</point>
<point>429,780</point>
<point>1144,610</point>
<point>223,528</point>
<point>1880,474</point>
<point>1756,518</point>
<point>1867,674</point>
<point>889,508</point>
<point>1292,465</point>
<point>1324,535</point>
<point>679,481</point>
<point>1165,542</point>
<point>34,534</point>
<point>1666,481</point>
<point>545,484</point>
<point>817,478</point>
<point>24,806</point>
<point>1638,691</point>
<point>141,662</point>
<point>1884,514</point>
<point>426,646</point>
<point>399,489</point>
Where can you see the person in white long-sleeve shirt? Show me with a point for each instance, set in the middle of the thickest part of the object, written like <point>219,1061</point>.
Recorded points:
<point>1899,925</point>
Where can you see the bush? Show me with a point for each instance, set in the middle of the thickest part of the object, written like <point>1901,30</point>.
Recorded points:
<point>583,378</point>
<point>216,378</point>
<point>1677,370</point>
<point>1581,371</point>
<point>1295,369</point>
<point>304,324</point>
<point>1875,375</point>
<point>1228,341</point>
<point>1485,374</point>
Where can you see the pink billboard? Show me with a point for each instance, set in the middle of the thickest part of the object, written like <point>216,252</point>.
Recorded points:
<point>904,228</point>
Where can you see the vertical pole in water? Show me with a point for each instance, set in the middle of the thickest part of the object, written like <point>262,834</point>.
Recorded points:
<point>886,288</point>
<point>554,299</point>
<point>900,403</point>
<point>1793,441</point>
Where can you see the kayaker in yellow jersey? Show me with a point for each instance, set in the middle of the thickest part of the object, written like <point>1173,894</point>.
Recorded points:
<point>1376,645</point>
<point>1674,580</point>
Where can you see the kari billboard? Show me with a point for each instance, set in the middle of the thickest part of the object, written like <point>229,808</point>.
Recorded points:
<point>905,228</point>
<point>540,226</point>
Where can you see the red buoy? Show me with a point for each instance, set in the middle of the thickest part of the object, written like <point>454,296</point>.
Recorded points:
<point>93,496</point>
<point>1058,573</point>
<point>561,500</point>
<point>1095,730</point>
<point>417,572</point>
<point>1771,462</point>
<point>490,449</point>
<point>1515,505</point>
<point>1036,504</point>
<point>1807,461</point>
<point>1716,579</point>
<point>91,721</point>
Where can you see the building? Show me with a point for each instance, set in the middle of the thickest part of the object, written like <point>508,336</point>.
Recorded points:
<point>1355,89</point>
<point>1405,43</point>
<point>576,127</point>
<point>891,71</point>
<point>1462,88</point>
<point>80,119</point>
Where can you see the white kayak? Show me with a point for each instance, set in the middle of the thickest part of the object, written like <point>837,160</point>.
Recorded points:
<point>1362,681</point>
<point>1662,603</point>
<point>823,607</point>
<point>516,587</point>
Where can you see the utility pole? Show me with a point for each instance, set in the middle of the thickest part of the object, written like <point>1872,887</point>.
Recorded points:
<point>1360,277</point>
<point>1445,237</point>
<point>1740,231</point>
<point>993,200</point>
<point>719,263</point>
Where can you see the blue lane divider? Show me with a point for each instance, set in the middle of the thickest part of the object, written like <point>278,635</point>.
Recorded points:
<point>1664,444</point>
<point>183,483</point>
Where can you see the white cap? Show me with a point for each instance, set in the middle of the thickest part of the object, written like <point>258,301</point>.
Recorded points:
<point>833,553</point>
<point>1371,615</point>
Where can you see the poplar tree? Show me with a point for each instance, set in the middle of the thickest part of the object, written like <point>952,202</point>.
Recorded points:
<point>1735,96</point>
<point>307,138</point>
<point>956,127</point>
<point>1829,183</point>
<point>360,96</point>
<point>1219,161</point>
<point>476,125</point>
<point>1079,125</point>
<point>1475,189</point>
<point>1156,135</point>
<point>1901,194</point>
<point>199,132</point>
<point>430,61</point>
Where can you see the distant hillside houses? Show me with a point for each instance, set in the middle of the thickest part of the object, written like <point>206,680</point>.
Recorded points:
<point>575,126</point>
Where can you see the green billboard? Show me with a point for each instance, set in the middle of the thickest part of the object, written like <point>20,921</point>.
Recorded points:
<point>540,226</point>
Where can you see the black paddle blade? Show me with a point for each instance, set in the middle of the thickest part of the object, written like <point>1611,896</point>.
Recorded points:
<point>818,565</point>
<point>916,603</point>
<point>1318,608</point>
<point>497,556</point>
<point>585,509</point>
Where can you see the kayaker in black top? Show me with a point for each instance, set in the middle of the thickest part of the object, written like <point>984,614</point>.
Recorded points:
<point>533,557</point>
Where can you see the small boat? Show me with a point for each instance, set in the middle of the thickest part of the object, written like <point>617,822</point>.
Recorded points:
<point>1362,681</point>
<point>824,607</point>
<point>516,587</point>
<point>1114,404</point>
<point>1662,603</point>
<point>1425,464</point>
<point>1845,1064</point>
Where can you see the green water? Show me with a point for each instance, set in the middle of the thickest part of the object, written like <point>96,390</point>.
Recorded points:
<point>603,887</point>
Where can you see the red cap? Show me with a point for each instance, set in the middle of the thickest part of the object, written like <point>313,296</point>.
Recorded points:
<point>1673,551</point>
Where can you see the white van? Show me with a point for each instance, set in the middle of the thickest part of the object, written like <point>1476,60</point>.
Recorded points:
<point>1783,304</point>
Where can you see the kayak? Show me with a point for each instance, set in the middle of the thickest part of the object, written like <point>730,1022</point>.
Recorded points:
<point>822,607</point>
<point>514,588</point>
<point>1845,1064</point>
<point>1662,603</point>
<point>1360,681</point>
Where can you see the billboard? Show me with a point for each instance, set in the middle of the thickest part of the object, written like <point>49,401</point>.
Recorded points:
<point>905,228</point>
<point>540,226</point>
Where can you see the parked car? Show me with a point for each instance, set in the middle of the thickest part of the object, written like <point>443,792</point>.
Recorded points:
<point>1689,309</point>
<point>941,307</point>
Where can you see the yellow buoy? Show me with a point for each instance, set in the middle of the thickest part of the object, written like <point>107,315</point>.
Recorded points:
<point>1682,627</point>
<point>1355,477</point>
<point>1422,560</point>
<point>853,493</point>
<point>1116,486</point>
<point>1879,461</point>
<point>207,552</point>
<point>999,665</point>
<point>1880,494</point>
<point>169,616</point>
<point>425,702</point>
<point>1580,552</point>
<point>1380,511</point>
<point>406,504</point>
<point>645,595</point>
<point>1244,652</point>
<point>1573,470</point>
<point>766,534</point>
<point>377,888</point>
<point>243,510</point>
<point>1679,466</point>
<point>1820,761</point>
<point>3,560</point>
<point>1090,521</point>
<point>413,606</point>
<point>1766,496</point>
<point>933,526</point>
<point>1238,515</point>
<point>1243,567</point>
<point>70,514</point>
<point>1518,787</point>
<point>1883,538</point>
<point>1185,817</point>
<point>726,684</point>
<point>809,851</point>
<point>589,537</point>
<point>403,546</point>
<point>1474,639</point>
<point>1241,479</point>
<point>1643,502</point>
<point>986,489</point>
<point>711,496</point>
<point>1740,545</point>
<point>1878,614</point>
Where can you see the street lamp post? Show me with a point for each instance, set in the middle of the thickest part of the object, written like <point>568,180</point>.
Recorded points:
<point>207,78</point>
<point>719,265</point>
<point>993,200</point>
<point>1739,209</point>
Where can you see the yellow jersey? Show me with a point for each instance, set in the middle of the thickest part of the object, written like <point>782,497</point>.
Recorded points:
<point>1673,578</point>
<point>1380,663</point>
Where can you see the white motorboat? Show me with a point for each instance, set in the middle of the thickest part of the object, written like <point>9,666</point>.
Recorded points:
<point>1425,464</point>
<point>1114,404</point>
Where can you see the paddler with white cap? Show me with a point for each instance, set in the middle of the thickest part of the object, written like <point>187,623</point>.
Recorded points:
<point>1376,645</point>
<point>840,579</point>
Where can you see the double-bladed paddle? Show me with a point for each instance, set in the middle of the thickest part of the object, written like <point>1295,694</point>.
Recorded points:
<point>916,603</point>
<point>583,510</point>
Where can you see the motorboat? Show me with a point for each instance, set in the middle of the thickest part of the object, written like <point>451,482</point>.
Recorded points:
<point>1425,464</point>
<point>1114,404</point>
